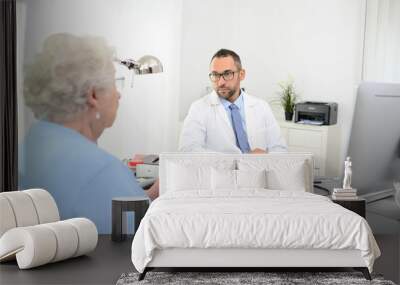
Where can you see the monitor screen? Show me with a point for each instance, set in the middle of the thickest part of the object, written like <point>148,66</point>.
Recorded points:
<point>374,145</point>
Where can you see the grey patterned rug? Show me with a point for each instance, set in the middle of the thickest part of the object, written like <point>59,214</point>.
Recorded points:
<point>243,278</point>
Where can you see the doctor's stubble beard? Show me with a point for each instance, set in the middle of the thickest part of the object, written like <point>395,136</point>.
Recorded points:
<point>229,95</point>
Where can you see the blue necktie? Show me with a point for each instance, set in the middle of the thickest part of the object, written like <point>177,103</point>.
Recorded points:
<point>241,136</point>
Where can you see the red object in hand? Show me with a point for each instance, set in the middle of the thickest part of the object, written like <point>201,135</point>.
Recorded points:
<point>134,162</point>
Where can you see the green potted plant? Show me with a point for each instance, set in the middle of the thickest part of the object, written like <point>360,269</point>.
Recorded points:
<point>288,97</point>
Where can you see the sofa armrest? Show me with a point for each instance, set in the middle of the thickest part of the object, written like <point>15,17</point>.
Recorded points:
<point>40,244</point>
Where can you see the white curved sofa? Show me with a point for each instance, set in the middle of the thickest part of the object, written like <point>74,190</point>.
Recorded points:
<point>31,231</point>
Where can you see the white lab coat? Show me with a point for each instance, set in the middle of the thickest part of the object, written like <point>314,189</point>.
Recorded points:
<point>208,128</point>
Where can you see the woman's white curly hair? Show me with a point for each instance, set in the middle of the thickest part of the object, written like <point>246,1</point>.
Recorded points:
<point>61,75</point>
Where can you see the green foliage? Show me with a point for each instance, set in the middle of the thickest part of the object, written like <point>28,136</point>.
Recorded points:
<point>287,95</point>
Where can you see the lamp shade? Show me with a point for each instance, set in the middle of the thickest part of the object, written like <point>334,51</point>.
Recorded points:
<point>148,64</point>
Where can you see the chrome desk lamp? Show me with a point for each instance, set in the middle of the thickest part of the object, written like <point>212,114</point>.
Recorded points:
<point>147,64</point>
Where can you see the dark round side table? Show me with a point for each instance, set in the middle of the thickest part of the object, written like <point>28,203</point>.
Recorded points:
<point>120,205</point>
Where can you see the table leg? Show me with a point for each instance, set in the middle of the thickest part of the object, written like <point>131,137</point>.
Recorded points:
<point>118,222</point>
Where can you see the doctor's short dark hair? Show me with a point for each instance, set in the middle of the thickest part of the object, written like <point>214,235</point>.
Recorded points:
<point>225,53</point>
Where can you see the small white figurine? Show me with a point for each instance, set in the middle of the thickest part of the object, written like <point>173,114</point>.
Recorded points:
<point>347,174</point>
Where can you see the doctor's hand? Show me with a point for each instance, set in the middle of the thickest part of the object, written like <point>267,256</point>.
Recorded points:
<point>257,151</point>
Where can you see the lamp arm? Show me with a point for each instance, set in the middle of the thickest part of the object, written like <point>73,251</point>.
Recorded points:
<point>129,63</point>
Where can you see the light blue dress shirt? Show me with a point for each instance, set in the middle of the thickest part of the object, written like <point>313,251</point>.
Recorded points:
<point>80,176</point>
<point>239,102</point>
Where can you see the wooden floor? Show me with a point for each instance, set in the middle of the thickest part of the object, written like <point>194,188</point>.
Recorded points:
<point>111,259</point>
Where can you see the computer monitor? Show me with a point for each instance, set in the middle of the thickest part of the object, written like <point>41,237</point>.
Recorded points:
<point>374,145</point>
<point>375,152</point>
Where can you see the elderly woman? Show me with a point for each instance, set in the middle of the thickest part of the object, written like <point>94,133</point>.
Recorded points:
<point>70,87</point>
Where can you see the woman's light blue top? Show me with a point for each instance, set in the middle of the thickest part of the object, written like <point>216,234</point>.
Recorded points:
<point>80,176</point>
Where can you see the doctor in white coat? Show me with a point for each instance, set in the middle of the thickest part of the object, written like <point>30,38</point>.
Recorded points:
<point>214,124</point>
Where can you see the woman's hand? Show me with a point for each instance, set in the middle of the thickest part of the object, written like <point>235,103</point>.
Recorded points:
<point>257,151</point>
<point>154,190</point>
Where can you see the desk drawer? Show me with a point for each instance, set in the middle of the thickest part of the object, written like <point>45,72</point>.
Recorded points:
<point>303,138</point>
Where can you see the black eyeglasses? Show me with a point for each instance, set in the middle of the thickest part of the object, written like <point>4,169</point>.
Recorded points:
<point>226,75</point>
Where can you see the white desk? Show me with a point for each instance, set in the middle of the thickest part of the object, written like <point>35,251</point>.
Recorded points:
<point>322,141</point>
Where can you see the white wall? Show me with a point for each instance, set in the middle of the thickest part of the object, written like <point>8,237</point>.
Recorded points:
<point>382,41</point>
<point>147,117</point>
<point>317,42</point>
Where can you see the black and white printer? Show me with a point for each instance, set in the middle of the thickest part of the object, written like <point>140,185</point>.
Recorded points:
<point>316,113</point>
